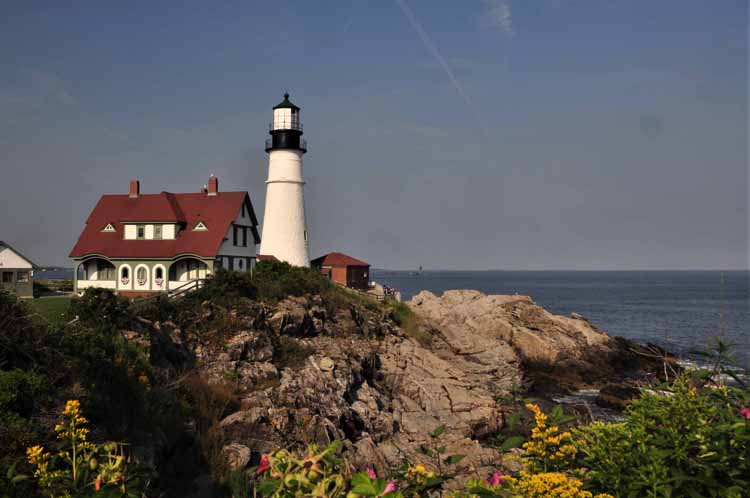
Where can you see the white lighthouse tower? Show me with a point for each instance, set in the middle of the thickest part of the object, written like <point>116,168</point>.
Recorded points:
<point>284,226</point>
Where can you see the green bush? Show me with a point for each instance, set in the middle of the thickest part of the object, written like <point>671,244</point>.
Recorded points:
<point>684,442</point>
<point>101,308</point>
<point>276,281</point>
<point>20,390</point>
<point>405,318</point>
<point>224,288</point>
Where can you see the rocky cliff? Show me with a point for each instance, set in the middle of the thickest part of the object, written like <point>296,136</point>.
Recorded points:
<point>302,372</point>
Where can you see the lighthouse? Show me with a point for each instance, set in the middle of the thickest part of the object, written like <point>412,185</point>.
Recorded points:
<point>284,227</point>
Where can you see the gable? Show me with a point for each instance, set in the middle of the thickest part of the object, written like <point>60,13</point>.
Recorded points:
<point>11,259</point>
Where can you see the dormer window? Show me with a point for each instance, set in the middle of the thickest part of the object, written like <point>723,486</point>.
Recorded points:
<point>109,228</point>
<point>200,226</point>
<point>140,232</point>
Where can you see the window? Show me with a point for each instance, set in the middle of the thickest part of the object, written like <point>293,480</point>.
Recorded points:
<point>200,226</point>
<point>125,272</point>
<point>234,234</point>
<point>141,275</point>
<point>109,228</point>
<point>240,264</point>
<point>157,231</point>
<point>7,277</point>
<point>159,273</point>
<point>305,234</point>
<point>140,231</point>
<point>244,236</point>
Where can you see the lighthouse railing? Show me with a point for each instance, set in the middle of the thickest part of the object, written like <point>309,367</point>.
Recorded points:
<point>285,124</point>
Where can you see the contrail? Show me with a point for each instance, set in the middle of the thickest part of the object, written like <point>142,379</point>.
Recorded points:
<point>433,50</point>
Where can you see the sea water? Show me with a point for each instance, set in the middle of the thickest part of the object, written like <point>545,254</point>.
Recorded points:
<point>679,310</point>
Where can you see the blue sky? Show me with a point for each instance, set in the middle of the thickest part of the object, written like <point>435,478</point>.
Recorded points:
<point>487,134</point>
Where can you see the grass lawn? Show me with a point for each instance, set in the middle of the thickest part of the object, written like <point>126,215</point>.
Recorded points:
<point>52,309</point>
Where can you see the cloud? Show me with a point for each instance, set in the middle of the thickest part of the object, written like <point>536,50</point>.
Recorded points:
<point>498,16</point>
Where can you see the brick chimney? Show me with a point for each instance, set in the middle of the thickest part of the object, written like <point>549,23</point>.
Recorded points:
<point>213,185</point>
<point>135,189</point>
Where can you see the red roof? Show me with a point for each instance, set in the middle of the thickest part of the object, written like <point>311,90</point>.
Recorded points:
<point>266,257</point>
<point>337,259</point>
<point>216,212</point>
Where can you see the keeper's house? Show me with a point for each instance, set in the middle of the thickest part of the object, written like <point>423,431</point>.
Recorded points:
<point>16,271</point>
<point>139,244</point>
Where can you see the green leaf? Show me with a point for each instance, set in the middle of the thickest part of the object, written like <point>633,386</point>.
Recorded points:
<point>365,489</point>
<point>439,430</point>
<point>513,420</point>
<point>425,450</point>
<point>360,478</point>
<point>512,442</point>
<point>269,486</point>
<point>454,459</point>
<point>441,450</point>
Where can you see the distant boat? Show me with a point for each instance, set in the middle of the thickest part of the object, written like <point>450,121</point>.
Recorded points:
<point>416,272</point>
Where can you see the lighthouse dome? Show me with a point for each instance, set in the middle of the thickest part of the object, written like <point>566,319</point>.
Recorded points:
<point>286,104</point>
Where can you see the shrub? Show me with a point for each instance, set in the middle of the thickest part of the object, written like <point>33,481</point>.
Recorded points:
<point>224,288</point>
<point>684,442</point>
<point>20,390</point>
<point>278,280</point>
<point>405,318</point>
<point>101,308</point>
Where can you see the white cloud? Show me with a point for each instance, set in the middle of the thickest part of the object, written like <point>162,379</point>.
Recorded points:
<point>498,16</point>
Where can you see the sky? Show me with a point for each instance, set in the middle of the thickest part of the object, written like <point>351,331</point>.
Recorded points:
<point>471,134</point>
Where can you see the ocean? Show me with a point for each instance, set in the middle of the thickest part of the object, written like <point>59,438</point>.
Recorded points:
<point>679,310</point>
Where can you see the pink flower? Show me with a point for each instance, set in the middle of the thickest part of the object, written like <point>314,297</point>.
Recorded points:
<point>371,473</point>
<point>389,488</point>
<point>495,479</point>
<point>265,463</point>
<point>745,412</point>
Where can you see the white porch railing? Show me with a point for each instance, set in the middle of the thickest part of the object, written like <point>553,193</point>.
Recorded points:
<point>104,284</point>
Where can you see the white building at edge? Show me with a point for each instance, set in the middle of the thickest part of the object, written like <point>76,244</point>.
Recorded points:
<point>284,227</point>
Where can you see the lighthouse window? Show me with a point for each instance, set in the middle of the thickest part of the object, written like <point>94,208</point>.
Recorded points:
<point>305,234</point>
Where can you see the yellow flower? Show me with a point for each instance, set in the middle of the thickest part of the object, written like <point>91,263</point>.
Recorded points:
<point>35,454</point>
<point>72,407</point>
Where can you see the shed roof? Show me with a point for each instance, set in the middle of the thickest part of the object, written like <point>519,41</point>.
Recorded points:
<point>337,259</point>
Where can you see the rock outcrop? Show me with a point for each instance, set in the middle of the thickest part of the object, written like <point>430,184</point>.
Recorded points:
<point>303,373</point>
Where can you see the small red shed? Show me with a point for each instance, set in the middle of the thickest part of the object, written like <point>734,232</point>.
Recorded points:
<point>344,270</point>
